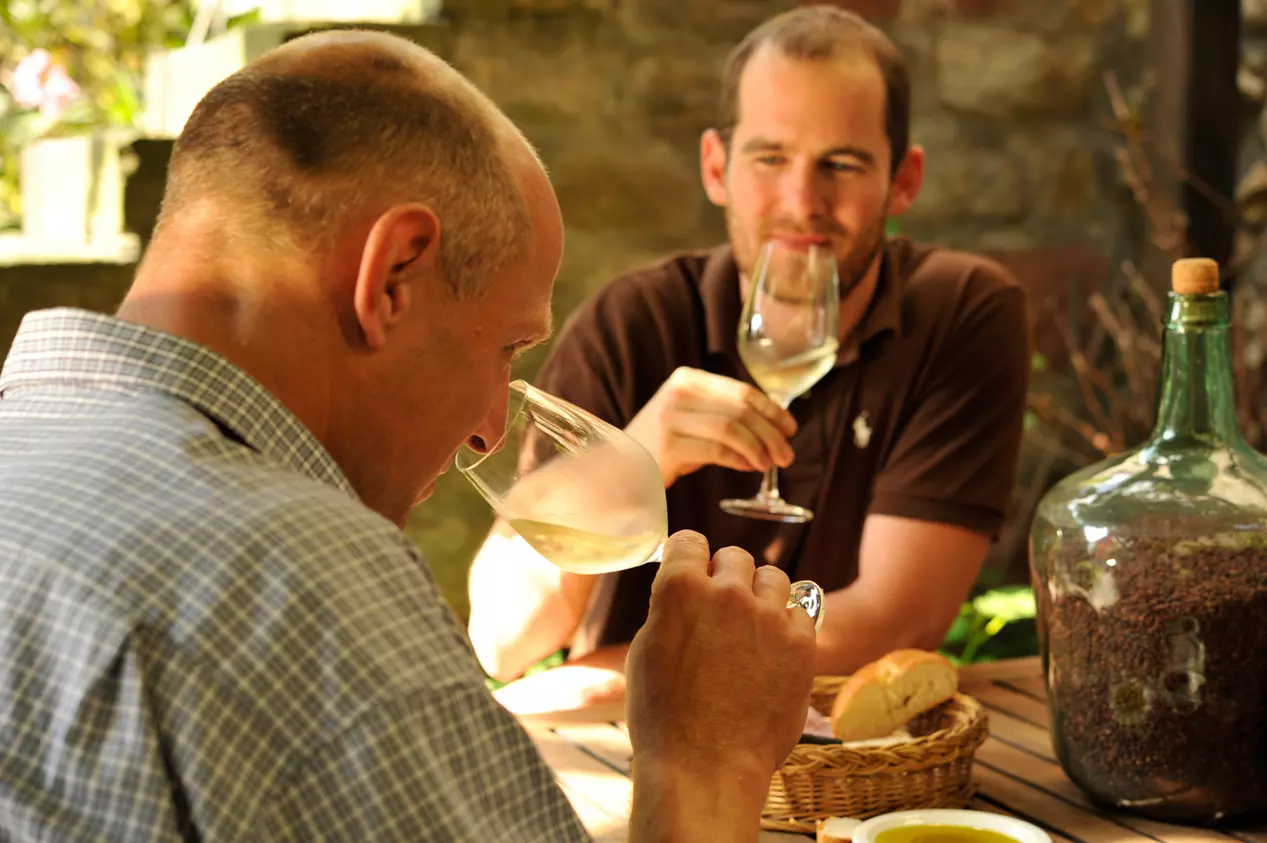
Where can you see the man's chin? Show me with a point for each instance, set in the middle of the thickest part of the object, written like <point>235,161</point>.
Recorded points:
<point>426,492</point>
<point>429,489</point>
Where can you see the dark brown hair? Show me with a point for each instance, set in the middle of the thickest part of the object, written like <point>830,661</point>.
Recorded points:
<point>822,33</point>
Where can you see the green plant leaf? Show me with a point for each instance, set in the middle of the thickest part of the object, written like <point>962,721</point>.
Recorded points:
<point>19,12</point>
<point>103,44</point>
<point>958,631</point>
<point>125,106</point>
<point>553,660</point>
<point>1010,603</point>
<point>249,18</point>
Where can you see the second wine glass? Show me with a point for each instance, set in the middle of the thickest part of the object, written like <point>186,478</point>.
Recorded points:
<point>788,340</point>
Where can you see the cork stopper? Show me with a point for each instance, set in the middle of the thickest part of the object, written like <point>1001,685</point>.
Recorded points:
<point>1194,277</point>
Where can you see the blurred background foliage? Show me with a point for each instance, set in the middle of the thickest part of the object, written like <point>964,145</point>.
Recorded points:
<point>101,46</point>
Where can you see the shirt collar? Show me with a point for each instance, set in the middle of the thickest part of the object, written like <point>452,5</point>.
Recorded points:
<point>723,304</point>
<point>76,348</point>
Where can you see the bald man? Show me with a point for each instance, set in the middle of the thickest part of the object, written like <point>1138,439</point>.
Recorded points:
<point>211,625</point>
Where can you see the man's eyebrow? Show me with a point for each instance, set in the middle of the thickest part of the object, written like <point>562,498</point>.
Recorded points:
<point>851,151</point>
<point>536,335</point>
<point>759,144</point>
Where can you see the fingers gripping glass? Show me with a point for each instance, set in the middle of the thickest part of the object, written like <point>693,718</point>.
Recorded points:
<point>582,493</point>
<point>788,339</point>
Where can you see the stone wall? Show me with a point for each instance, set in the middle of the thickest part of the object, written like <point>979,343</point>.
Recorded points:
<point>1008,101</point>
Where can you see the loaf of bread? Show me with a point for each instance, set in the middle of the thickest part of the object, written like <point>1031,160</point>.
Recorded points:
<point>890,691</point>
<point>837,829</point>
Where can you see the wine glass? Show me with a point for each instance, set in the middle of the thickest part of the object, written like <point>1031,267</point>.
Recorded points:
<point>788,339</point>
<point>582,493</point>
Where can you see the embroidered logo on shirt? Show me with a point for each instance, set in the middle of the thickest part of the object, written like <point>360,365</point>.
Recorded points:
<point>861,431</point>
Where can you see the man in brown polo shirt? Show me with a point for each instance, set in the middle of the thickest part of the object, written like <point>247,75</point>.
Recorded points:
<point>905,451</point>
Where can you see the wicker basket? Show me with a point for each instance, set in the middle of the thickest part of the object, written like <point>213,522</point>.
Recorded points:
<point>931,769</point>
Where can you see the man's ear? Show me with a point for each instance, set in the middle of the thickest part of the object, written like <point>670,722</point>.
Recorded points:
<point>402,244</point>
<point>907,181</point>
<point>712,166</point>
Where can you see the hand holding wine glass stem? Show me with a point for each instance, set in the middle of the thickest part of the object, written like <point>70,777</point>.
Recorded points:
<point>698,418</point>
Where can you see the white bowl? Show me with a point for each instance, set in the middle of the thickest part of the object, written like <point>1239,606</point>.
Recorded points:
<point>1018,830</point>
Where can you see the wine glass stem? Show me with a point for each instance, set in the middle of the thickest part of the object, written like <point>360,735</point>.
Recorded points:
<point>770,485</point>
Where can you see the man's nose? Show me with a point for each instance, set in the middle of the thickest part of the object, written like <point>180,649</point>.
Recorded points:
<point>488,436</point>
<point>803,195</point>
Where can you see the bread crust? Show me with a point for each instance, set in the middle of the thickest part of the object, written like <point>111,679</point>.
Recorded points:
<point>883,695</point>
<point>836,830</point>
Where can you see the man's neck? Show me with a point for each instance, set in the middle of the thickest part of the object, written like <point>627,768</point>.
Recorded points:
<point>202,301</point>
<point>855,303</point>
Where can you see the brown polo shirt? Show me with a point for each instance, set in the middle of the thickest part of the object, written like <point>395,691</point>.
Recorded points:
<point>921,416</point>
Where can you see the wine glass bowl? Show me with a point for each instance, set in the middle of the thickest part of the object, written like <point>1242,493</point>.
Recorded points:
<point>581,492</point>
<point>788,340</point>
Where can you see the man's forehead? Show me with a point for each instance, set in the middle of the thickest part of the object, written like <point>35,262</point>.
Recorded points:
<point>855,62</point>
<point>786,100</point>
<point>773,78</point>
<point>522,305</point>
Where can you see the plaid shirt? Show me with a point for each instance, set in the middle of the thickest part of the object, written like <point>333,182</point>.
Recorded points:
<point>205,636</point>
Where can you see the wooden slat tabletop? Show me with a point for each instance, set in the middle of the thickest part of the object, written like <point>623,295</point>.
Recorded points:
<point>1015,773</point>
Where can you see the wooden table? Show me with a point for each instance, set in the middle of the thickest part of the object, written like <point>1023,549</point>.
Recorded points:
<point>1015,771</point>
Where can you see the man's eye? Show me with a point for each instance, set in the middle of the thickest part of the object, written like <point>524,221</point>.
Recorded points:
<point>770,160</point>
<point>842,167</point>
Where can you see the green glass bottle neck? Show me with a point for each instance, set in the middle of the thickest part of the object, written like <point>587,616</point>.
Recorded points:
<point>1196,403</point>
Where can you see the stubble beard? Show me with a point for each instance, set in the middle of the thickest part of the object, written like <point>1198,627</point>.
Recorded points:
<point>852,268</point>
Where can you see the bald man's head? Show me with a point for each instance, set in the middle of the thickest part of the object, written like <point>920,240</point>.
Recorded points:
<point>335,127</point>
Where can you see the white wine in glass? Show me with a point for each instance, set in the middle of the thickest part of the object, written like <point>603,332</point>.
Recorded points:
<point>781,377</point>
<point>587,552</point>
<point>788,339</point>
<point>581,492</point>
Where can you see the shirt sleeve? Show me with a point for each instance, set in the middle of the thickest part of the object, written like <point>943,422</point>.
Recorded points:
<point>618,347</point>
<point>445,764</point>
<point>955,460</point>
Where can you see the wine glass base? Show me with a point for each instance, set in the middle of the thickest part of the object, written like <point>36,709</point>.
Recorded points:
<point>767,510</point>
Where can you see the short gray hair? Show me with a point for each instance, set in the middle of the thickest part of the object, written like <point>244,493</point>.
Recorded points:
<point>389,123</point>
